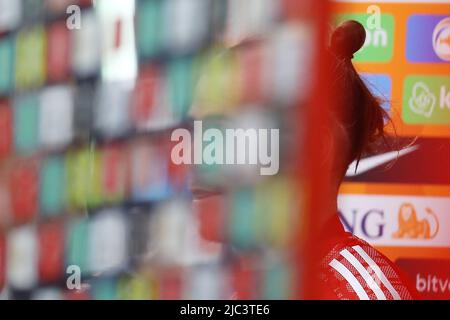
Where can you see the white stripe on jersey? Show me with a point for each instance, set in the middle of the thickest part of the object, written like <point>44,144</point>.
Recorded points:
<point>378,271</point>
<point>363,272</point>
<point>343,271</point>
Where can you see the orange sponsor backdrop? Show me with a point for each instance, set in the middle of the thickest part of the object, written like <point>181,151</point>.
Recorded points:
<point>398,68</point>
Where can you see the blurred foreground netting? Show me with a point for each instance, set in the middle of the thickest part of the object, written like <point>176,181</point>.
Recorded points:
<point>88,184</point>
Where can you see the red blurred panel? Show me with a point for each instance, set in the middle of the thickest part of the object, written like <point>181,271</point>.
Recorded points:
<point>211,214</point>
<point>148,83</point>
<point>76,295</point>
<point>51,251</point>
<point>178,174</point>
<point>5,207</point>
<point>311,168</point>
<point>23,185</point>
<point>58,51</point>
<point>244,280</point>
<point>2,260</point>
<point>170,285</point>
<point>6,123</point>
<point>115,173</point>
<point>252,74</point>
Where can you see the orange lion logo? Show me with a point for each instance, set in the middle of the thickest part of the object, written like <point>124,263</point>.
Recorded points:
<point>409,226</point>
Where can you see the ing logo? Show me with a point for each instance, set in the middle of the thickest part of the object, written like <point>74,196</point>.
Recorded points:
<point>410,226</point>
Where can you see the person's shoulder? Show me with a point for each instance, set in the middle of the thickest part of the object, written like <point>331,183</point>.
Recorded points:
<point>353,269</point>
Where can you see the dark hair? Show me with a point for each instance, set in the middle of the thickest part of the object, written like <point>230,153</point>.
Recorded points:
<point>357,108</point>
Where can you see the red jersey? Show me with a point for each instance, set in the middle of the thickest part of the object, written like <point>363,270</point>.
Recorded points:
<point>352,269</point>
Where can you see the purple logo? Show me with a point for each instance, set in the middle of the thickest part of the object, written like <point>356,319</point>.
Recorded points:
<point>428,38</point>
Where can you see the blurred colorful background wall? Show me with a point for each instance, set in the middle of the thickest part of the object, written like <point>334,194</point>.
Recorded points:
<point>91,204</point>
<point>87,185</point>
<point>403,207</point>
